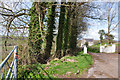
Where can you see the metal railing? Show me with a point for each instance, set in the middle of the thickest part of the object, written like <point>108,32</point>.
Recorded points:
<point>12,72</point>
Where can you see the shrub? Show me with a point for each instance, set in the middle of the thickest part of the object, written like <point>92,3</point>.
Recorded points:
<point>94,49</point>
<point>86,43</point>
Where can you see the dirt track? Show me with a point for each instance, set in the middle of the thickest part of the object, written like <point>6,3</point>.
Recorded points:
<point>105,66</point>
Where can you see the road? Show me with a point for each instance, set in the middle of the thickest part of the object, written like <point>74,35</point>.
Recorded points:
<point>105,66</point>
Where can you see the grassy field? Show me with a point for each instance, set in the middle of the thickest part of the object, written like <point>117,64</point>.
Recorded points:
<point>11,42</point>
<point>118,44</point>
<point>62,67</point>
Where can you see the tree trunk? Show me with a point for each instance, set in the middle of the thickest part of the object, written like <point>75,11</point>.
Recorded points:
<point>35,39</point>
<point>66,31</point>
<point>73,32</point>
<point>60,31</point>
<point>50,28</point>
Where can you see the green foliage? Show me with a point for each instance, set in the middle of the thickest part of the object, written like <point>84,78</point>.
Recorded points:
<point>35,39</point>
<point>79,53</point>
<point>36,30</point>
<point>117,44</point>
<point>38,70</point>
<point>102,33</point>
<point>86,43</point>
<point>109,37</point>
<point>94,48</point>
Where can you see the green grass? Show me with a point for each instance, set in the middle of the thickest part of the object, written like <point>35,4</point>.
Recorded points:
<point>37,70</point>
<point>117,44</point>
<point>97,45</point>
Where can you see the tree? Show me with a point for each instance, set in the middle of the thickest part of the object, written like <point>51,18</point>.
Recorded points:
<point>72,23</point>
<point>41,11</point>
<point>78,25</point>
<point>102,33</point>
<point>66,29</point>
<point>36,30</point>
<point>50,30</point>
<point>35,39</point>
<point>110,36</point>
<point>60,31</point>
<point>111,15</point>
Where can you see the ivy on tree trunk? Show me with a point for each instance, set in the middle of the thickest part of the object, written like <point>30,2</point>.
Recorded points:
<point>50,31</point>
<point>60,31</point>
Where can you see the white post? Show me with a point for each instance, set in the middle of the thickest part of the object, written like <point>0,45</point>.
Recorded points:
<point>85,49</point>
<point>113,48</point>
<point>15,62</point>
<point>101,48</point>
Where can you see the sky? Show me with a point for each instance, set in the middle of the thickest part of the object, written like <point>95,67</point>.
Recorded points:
<point>94,28</point>
<point>96,25</point>
<point>93,32</point>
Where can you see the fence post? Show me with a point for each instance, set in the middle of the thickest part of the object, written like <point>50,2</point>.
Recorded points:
<point>15,61</point>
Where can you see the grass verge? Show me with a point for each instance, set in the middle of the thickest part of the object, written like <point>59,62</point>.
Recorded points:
<point>65,66</point>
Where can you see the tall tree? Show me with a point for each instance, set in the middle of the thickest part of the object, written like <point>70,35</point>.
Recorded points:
<point>78,25</point>
<point>111,15</point>
<point>50,30</point>
<point>73,35</point>
<point>60,31</point>
<point>66,29</point>
<point>35,32</point>
<point>73,29</point>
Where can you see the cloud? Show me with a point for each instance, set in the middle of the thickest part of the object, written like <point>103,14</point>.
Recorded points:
<point>92,33</point>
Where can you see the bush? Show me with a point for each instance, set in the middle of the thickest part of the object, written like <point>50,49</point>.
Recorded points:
<point>94,49</point>
<point>86,43</point>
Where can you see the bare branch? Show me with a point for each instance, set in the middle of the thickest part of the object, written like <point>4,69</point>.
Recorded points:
<point>22,20</point>
<point>19,27</point>
<point>115,26</point>
<point>6,9</point>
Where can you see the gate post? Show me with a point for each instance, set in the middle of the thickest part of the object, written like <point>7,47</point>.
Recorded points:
<point>15,62</point>
<point>85,49</point>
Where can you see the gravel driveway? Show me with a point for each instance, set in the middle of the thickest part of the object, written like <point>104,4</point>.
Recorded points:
<point>105,66</point>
